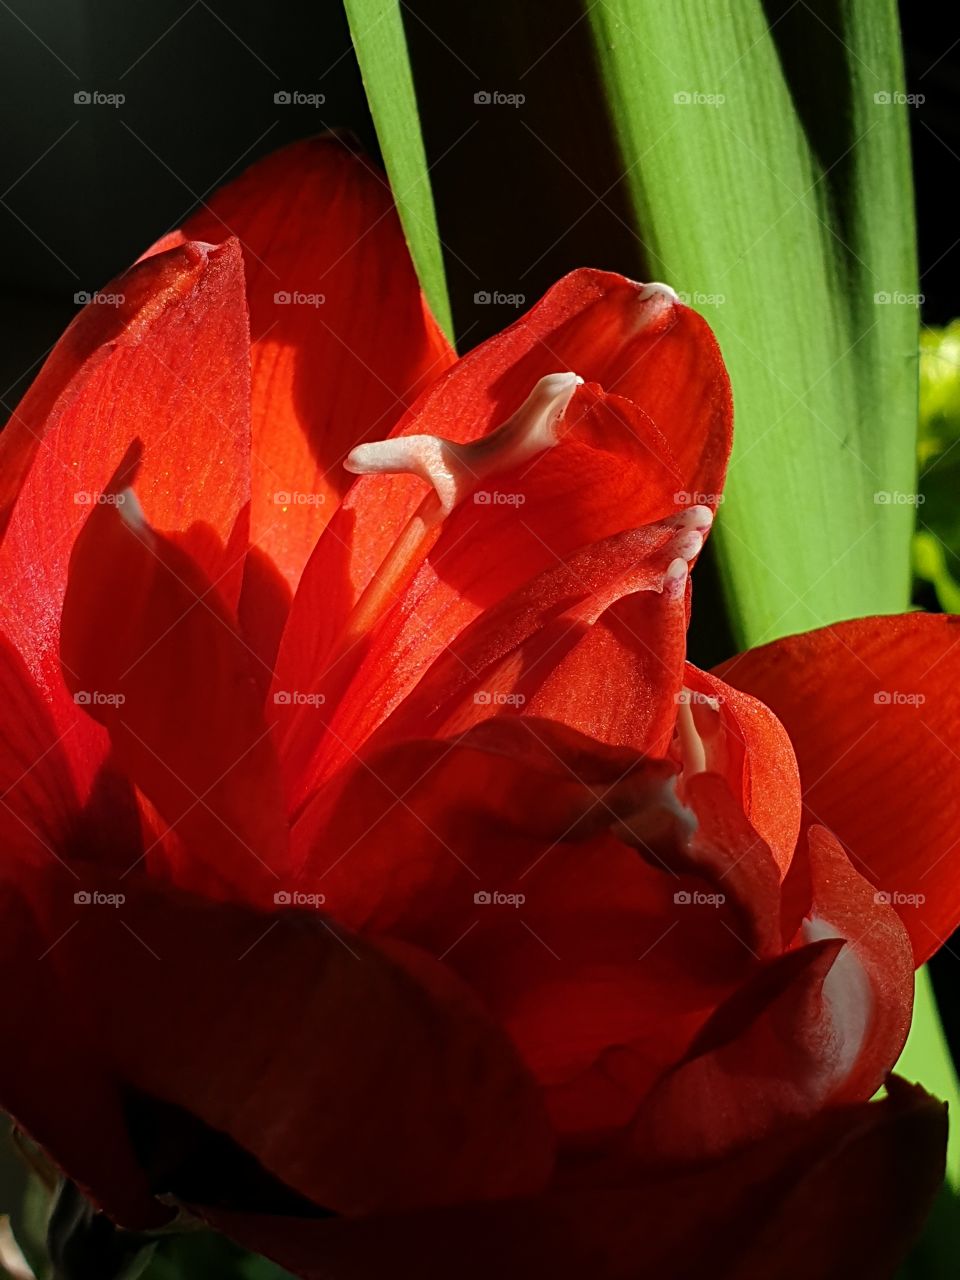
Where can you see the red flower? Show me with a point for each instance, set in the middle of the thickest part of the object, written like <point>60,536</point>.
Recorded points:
<point>374,850</point>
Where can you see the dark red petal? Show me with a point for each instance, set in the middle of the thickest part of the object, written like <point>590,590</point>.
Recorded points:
<point>821,1025</point>
<point>168,366</point>
<point>52,1081</point>
<point>605,965</point>
<point>38,804</point>
<point>725,848</point>
<point>871,707</point>
<point>365,1078</point>
<point>150,651</point>
<point>342,359</point>
<point>843,1196</point>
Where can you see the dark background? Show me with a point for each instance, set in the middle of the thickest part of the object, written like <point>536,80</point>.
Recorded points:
<point>84,188</point>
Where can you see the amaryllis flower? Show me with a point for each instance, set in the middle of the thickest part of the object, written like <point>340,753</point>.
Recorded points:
<point>380,881</point>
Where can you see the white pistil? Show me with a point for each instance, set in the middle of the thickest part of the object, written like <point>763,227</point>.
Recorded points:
<point>454,469</point>
<point>692,751</point>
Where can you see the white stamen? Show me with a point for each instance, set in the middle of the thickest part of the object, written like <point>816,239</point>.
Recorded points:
<point>688,544</point>
<point>675,578</point>
<point>698,517</point>
<point>655,288</point>
<point>130,510</point>
<point>692,751</point>
<point>455,469</point>
<point>848,994</point>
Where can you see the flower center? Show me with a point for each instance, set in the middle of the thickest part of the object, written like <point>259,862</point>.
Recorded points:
<point>453,470</point>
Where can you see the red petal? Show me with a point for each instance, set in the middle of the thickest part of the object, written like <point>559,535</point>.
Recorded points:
<point>607,609</point>
<point>751,749</point>
<point>875,969</point>
<point>364,1078</point>
<point>871,707</point>
<point>843,1196</point>
<point>316,220</point>
<point>170,367</point>
<point>151,652</point>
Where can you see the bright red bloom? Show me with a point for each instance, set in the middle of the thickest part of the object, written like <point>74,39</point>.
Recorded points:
<point>454,902</point>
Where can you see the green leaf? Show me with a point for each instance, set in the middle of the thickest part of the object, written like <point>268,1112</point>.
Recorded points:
<point>769,185</point>
<point>930,564</point>
<point>926,1059</point>
<point>936,548</point>
<point>381,46</point>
